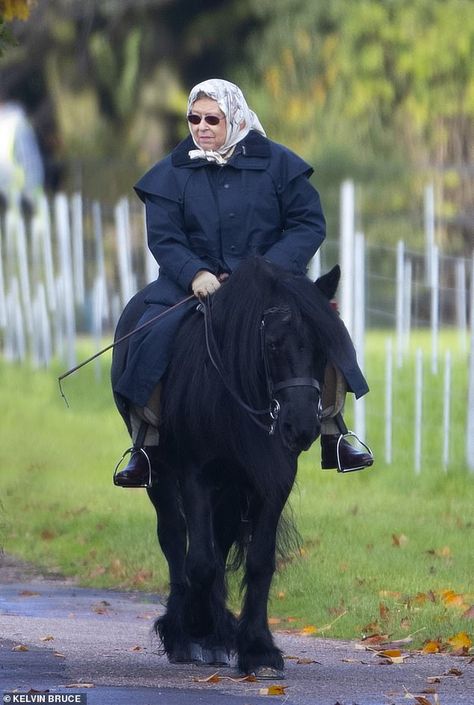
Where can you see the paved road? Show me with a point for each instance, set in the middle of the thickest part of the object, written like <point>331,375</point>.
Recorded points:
<point>103,639</point>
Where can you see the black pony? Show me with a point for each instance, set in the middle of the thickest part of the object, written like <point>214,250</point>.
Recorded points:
<point>240,401</point>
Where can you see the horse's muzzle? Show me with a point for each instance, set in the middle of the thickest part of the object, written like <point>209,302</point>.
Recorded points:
<point>299,430</point>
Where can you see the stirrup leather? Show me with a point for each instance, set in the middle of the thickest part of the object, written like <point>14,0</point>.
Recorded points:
<point>130,451</point>
<point>350,434</point>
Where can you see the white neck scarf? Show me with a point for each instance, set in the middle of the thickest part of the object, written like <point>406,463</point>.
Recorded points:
<point>239,118</point>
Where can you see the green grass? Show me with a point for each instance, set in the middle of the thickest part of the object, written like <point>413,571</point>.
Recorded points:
<point>372,541</point>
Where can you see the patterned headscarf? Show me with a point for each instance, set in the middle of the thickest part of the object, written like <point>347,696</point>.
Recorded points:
<point>239,118</point>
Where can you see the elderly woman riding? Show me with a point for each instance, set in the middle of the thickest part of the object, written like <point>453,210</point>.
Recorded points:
<point>225,193</point>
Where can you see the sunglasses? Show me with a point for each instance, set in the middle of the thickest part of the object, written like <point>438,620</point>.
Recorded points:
<point>210,119</point>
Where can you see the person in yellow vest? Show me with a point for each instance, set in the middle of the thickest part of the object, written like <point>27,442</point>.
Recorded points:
<point>21,164</point>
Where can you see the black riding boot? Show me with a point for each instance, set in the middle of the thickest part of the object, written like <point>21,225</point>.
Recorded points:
<point>338,454</point>
<point>344,458</point>
<point>137,473</point>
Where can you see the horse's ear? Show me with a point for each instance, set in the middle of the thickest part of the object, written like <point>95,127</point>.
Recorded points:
<point>328,283</point>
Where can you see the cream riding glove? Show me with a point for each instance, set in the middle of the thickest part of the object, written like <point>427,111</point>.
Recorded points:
<point>204,283</point>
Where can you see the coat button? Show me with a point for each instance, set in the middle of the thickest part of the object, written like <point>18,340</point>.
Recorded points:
<point>231,215</point>
<point>226,185</point>
<point>232,248</point>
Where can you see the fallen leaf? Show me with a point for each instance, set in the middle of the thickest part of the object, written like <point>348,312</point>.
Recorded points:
<point>79,685</point>
<point>28,593</point>
<point>452,599</point>
<point>390,593</point>
<point>214,678</point>
<point>274,620</point>
<point>305,661</point>
<point>309,630</point>
<point>421,598</point>
<point>399,540</point>
<point>392,655</point>
<point>47,638</point>
<point>58,654</point>
<point>444,552</point>
<point>432,647</point>
<point>48,535</point>
<point>351,660</point>
<point>250,678</point>
<point>453,672</point>
<point>141,577</point>
<point>136,648</point>
<point>281,595</point>
<point>20,647</point>
<point>384,612</point>
<point>375,639</point>
<point>273,690</point>
<point>469,613</point>
<point>460,642</point>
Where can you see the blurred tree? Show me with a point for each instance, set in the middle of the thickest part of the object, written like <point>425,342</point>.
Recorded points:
<point>111,75</point>
<point>378,90</point>
<point>369,85</point>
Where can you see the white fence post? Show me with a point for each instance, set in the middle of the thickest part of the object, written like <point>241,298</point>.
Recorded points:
<point>429,217</point>
<point>470,396</point>
<point>434,309</point>
<point>151,265</point>
<point>3,302</point>
<point>99,257</point>
<point>124,253</point>
<point>461,301</point>
<point>399,301</point>
<point>446,409</point>
<point>48,264</point>
<point>406,311</point>
<point>346,253</point>
<point>388,400</point>
<point>359,326</point>
<point>78,248</point>
<point>418,410</point>
<point>63,233</point>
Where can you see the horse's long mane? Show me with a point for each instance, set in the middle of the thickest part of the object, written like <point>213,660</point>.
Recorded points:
<point>196,404</point>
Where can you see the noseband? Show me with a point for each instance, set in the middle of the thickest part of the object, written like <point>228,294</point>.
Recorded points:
<point>273,409</point>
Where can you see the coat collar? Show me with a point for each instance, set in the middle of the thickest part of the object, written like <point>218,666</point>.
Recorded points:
<point>252,152</point>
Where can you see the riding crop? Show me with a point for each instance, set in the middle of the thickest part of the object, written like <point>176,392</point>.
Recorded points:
<point>116,342</point>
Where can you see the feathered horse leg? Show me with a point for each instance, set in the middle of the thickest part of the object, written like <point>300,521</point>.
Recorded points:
<point>257,652</point>
<point>171,529</point>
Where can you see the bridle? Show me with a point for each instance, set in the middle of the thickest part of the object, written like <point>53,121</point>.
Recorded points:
<point>273,408</point>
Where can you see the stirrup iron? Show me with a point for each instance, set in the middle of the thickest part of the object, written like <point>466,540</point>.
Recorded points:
<point>130,451</point>
<point>351,434</point>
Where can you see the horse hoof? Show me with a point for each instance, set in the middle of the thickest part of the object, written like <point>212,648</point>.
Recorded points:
<point>220,657</point>
<point>180,656</point>
<point>215,657</point>
<point>207,657</point>
<point>196,653</point>
<point>267,673</point>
